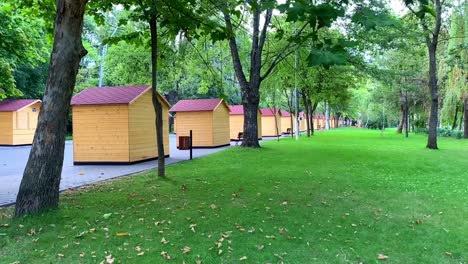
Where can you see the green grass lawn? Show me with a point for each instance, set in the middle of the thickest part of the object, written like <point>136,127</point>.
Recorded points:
<point>341,196</point>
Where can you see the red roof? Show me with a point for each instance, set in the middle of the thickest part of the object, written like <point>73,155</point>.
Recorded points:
<point>195,105</point>
<point>109,95</point>
<point>236,109</point>
<point>301,114</point>
<point>285,113</point>
<point>12,105</point>
<point>268,111</point>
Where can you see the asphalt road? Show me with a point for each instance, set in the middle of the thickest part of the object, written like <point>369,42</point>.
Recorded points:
<point>13,161</point>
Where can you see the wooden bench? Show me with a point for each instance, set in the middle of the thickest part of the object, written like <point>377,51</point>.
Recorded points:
<point>240,137</point>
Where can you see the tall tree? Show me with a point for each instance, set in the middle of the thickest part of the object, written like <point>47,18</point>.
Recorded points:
<point>39,187</point>
<point>174,17</point>
<point>23,51</point>
<point>259,67</point>
<point>422,9</point>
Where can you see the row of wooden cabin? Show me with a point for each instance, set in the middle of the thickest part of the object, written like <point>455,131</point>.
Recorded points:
<point>117,124</point>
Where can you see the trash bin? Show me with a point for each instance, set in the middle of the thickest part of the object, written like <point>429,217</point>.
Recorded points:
<point>184,142</point>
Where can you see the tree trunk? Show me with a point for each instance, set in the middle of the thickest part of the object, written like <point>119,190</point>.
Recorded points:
<point>455,118</point>
<point>431,44</point>
<point>250,89</point>
<point>465,117</point>
<point>327,116</point>
<point>40,185</point>
<point>307,112</point>
<point>406,115</point>
<point>402,115</point>
<point>460,123</point>
<point>250,128</point>
<point>291,119</point>
<point>433,117</point>
<point>154,95</point>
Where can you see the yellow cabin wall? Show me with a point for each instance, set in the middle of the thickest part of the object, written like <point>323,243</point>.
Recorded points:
<point>6,128</point>
<point>286,123</point>
<point>200,123</point>
<point>236,124</point>
<point>221,125</point>
<point>303,124</point>
<point>315,123</point>
<point>269,127</point>
<point>142,129</point>
<point>101,133</point>
<point>18,128</point>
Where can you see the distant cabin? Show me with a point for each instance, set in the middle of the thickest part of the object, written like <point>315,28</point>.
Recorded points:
<point>116,125</point>
<point>286,121</point>
<point>271,122</point>
<point>236,121</point>
<point>207,118</point>
<point>18,121</point>
<point>320,121</point>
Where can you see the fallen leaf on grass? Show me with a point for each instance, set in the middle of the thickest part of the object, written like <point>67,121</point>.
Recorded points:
<point>260,247</point>
<point>382,257</point>
<point>220,252</point>
<point>141,253</point>
<point>165,255</point>
<point>192,227</point>
<point>186,250</point>
<point>448,253</point>
<point>164,241</point>
<point>212,206</point>
<point>106,216</point>
<point>418,222</point>
<point>60,255</point>
<point>4,225</point>
<point>198,261</point>
<point>82,254</point>
<point>31,232</point>
<point>243,258</point>
<point>122,234</point>
<point>183,187</point>
<point>109,259</point>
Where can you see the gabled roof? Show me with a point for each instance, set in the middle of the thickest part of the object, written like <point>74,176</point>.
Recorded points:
<point>285,113</point>
<point>237,109</point>
<point>269,111</point>
<point>301,114</point>
<point>13,105</point>
<point>111,95</point>
<point>196,105</point>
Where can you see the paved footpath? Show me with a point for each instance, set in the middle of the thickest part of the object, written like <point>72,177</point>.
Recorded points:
<point>13,161</point>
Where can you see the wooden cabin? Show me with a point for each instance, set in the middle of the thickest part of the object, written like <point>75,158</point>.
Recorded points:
<point>286,121</point>
<point>320,121</point>
<point>18,121</point>
<point>271,122</point>
<point>236,121</point>
<point>116,125</point>
<point>207,118</point>
<point>302,122</point>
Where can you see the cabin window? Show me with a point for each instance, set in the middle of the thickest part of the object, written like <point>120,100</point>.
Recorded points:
<point>34,109</point>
